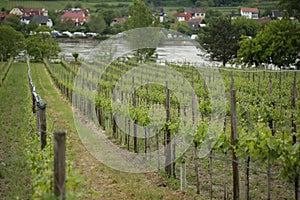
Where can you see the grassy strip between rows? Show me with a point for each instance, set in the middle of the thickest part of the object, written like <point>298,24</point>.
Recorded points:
<point>43,172</point>
<point>100,182</point>
<point>15,179</point>
<point>4,69</point>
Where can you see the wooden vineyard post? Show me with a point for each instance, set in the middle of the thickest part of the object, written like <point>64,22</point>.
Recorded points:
<point>247,182</point>
<point>33,100</point>
<point>258,84</point>
<point>167,134</point>
<point>233,118</point>
<point>157,149</point>
<point>174,158</point>
<point>128,136</point>
<point>195,142</point>
<point>135,138</point>
<point>272,128</point>
<point>37,111</point>
<point>168,153</point>
<point>196,167</point>
<point>145,140</point>
<point>60,164</point>
<point>210,176</point>
<point>42,122</point>
<point>114,123</point>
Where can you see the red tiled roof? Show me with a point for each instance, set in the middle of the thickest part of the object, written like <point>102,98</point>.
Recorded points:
<point>75,16</point>
<point>187,16</point>
<point>3,15</point>
<point>33,11</point>
<point>253,10</point>
<point>72,14</point>
<point>119,20</point>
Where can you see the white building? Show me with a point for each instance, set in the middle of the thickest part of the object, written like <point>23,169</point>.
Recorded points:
<point>250,13</point>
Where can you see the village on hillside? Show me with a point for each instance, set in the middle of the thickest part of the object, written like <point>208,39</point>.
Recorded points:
<point>70,19</point>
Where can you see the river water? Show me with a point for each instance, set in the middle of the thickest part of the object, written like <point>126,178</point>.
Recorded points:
<point>187,52</point>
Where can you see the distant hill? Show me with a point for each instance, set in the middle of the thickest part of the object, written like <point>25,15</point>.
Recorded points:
<point>171,6</point>
<point>174,3</point>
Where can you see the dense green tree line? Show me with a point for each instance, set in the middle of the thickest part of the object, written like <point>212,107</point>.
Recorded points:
<point>251,43</point>
<point>278,43</point>
<point>247,42</point>
<point>15,38</point>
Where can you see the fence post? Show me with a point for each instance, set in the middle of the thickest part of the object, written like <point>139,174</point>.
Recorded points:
<point>60,164</point>
<point>37,111</point>
<point>234,136</point>
<point>42,122</point>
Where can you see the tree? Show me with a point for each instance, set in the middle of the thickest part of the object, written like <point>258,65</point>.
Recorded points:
<point>183,28</point>
<point>278,43</point>
<point>14,22</point>
<point>32,26</point>
<point>247,27</point>
<point>250,51</point>
<point>68,5</point>
<point>212,15</point>
<point>42,46</point>
<point>139,15</point>
<point>77,5</point>
<point>43,29</point>
<point>63,25</point>
<point>96,23</point>
<point>11,42</point>
<point>282,42</point>
<point>222,40</point>
<point>291,6</point>
<point>75,55</point>
<point>109,15</point>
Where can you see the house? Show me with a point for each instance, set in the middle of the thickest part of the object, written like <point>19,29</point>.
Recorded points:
<point>18,11</point>
<point>38,19</point>
<point>77,17</point>
<point>42,20</point>
<point>159,12</point>
<point>196,23</point>
<point>118,21</point>
<point>22,11</point>
<point>234,16</point>
<point>193,16</point>
<point>195,12</point>
<point>85,10</point>
<point>250,13</point>
<point>276,14</point>
<point>35,11</point>
<point>26,19</point>
<point>182,17</point>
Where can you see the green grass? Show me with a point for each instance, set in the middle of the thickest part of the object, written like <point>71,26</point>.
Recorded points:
<point>55,5</point>
<point>14,173</point>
